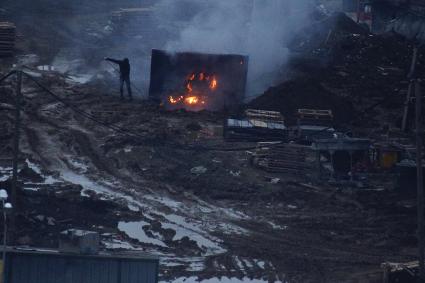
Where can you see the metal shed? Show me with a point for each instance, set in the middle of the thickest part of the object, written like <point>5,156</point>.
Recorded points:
<point>49,266</point>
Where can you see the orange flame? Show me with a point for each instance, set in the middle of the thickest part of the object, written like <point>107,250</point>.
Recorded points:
<point>213,84</point>
<point>175,100</point>
<point>191,100</point>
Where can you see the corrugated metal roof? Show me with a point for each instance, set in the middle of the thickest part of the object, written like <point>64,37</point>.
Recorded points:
<point>49,267</point>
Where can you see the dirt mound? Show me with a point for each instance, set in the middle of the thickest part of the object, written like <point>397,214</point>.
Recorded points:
<point>338,65</point>
<point>303,93</point>
<point>326,31</point>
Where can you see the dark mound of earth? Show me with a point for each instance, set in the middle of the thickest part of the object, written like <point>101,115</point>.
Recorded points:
<point>303,93</point>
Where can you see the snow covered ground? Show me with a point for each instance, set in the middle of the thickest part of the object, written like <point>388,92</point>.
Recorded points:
<point>218,280</point>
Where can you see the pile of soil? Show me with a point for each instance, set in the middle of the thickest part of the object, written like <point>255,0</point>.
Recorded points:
<point>303,93</point>
<point>359,76</point>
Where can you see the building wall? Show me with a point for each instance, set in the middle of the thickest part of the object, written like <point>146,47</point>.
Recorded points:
<point>37,268</point>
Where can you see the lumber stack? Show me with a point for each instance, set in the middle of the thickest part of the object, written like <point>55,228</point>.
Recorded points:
<point>258,125</point>
<point>7,39</point>
<point>284,158</point>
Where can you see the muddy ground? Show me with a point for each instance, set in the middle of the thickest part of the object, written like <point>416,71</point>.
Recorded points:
<point>166,183</point>
<point>225,220</point>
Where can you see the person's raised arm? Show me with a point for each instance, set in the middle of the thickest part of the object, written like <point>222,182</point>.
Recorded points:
<point>113,60</point>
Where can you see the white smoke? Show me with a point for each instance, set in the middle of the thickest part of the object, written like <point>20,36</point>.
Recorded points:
<point>260,29</point>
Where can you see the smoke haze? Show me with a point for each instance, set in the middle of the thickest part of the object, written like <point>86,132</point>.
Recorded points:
<point>88,31</point>
<point>260,29</point>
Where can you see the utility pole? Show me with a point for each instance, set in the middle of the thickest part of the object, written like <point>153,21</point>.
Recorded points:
<point>420,181</point>
<point>410,90</point>
<point>18,96</point>
<point>358,10</point>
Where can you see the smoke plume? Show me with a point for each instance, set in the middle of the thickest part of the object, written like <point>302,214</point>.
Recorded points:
<point>260,29</point>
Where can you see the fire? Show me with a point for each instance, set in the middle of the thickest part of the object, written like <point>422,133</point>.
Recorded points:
<point>175,100</point>
<point>213,84</point>
<point>191,100</point>
<point>197,86</point>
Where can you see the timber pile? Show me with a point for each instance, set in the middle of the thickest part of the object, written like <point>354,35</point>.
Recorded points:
<point>315,117</point>
<point>285,158</point>
<point>257,125</point>
<point>7,39</point>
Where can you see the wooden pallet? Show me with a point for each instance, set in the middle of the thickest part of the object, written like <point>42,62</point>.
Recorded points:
<point>283,158</point>
<point>265,116</point>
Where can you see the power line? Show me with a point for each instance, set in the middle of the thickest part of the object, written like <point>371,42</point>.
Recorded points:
<point>134,134</point>
<point>83,113</point>
<point>5,77</point>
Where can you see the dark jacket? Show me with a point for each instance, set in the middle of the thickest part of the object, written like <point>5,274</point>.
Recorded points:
<point>124,67</point>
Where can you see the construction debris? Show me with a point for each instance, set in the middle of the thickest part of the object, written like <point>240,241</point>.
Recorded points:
<point>284,158</point>
<point>168,183</point>
<point>400,272</point>
<point>257,125</point>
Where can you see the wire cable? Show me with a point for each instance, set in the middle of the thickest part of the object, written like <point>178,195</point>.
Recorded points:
<point>134,134</point>
<point>5,77</point>
<point>83,113</point>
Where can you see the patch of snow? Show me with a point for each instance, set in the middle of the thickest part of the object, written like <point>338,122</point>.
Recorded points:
<point>45,68</point>
<point>261,264</point>
<point>117,244</point>
<point>201,241</point>
<point>80,79</point>
<point>128,149</point>
<point>229,229</point>
<point>240,264</point>
<point>235,173</point>
<point>4,178</point>
<point>198,170</point>
<point>277,227</point>
<point>196,266</point>
<point>77,164</point>
<point>233,214</point>
<point>195,279</point>
<point>135,231</point>
<point>88,184</point>
<point>48,180</point>
<point>165,201</point>
<point>133,207</point>
<point>33,166</point>
<point>34,189</point>
<point>171,261</point>
<point>248,263</point>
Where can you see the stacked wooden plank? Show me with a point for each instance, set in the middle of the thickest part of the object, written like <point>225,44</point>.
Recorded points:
<point>7,39</point>
<point>264,115</point>
<point>315,117</point>
<point>285,158</point>
<point>258,125</point>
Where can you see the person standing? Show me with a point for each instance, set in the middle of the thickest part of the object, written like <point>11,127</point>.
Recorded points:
<point>124,75</point>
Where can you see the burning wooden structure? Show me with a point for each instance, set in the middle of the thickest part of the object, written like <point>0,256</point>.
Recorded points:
<point>197,81</point>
